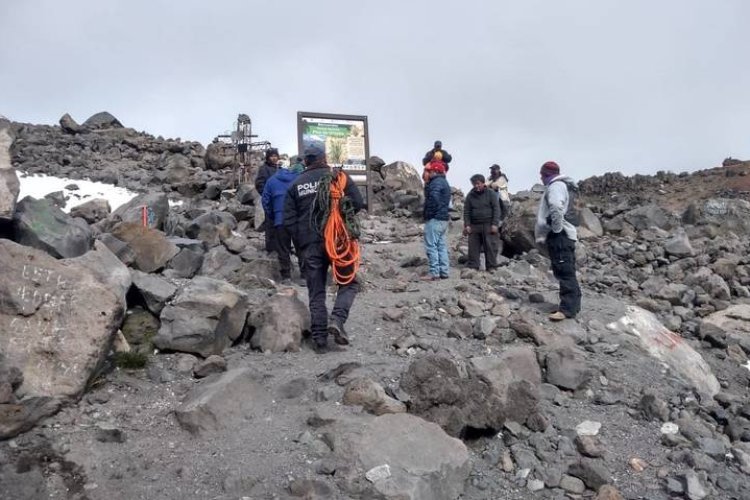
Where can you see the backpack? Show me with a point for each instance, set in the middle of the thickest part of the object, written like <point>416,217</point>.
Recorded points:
<point>575,205</point>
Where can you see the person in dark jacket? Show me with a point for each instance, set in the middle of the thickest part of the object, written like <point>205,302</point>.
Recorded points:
<point>265,172</point>
<point>437,154</point>
<point>274,195</point>
<point>304,219</point>
<point>437,199</point>
<point>482,215</point>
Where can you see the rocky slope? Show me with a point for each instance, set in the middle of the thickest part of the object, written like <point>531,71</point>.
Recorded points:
<point>167,362</point>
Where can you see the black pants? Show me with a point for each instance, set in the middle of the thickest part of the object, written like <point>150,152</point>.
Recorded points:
<point>282,240</point>
<point>562,255</point>
<point>268,230</point>
<point>481,240</point>
<point>315,265</point>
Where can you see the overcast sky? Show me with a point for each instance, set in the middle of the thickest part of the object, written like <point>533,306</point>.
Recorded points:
<point>597,85</point>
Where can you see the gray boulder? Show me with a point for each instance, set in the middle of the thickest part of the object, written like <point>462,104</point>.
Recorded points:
<point>152,290</point>
<point>679,245</point>
<point>279,323</point>
<point>69,125</point>
<point>102,120</point>
<point>92,211</point>
<point>118,247</point>
<point>224,403</point>
<point>399,456</point>
<point>57,321</point>
<point>219,263</point>
<point>649,216</point>
<point>40,224</point>
<point>397,186</point>
<point>151,248</point>
<point>724,214</point>
<point>590,221</point>
<point>212,227</point>
<point>204,318</point>
<point>132,211</point>
<point>517,231</point>
<point>9,184</point>
<point>185,264</point>
<point>567,368</point>
<point>220,156</point>
<point>493,391</point>
<point>108,269</point>
<point>371,397</point>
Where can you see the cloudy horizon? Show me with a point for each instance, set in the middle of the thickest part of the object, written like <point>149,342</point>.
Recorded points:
<point>597,86</point>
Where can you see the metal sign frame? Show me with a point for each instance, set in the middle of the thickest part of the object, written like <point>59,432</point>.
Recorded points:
<point>330,118</point>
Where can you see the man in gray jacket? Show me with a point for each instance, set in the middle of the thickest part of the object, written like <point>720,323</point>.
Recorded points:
<point>555,229</point>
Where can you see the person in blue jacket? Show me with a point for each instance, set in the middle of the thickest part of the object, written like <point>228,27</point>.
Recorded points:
<point>437,194</point>
<point>274,195</point>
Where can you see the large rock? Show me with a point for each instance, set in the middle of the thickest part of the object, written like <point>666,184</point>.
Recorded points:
<point>724,214</point>
<point>69,125</point>
<point>57,321</point>
<point>220,264</point>
<point>371,397</point>
<point>151,247</point>
<point>567,368</point>
<point>211,227</point>
<point>279,323</point>
<point>40,224</point>
<point>734,319</point>
<point>649,216</point>
<point>9,184</point>
<point>92,211</point>
<point>514,377</point>
<point>152,290</point>
<point>399,456</point>
<point>397,186</point>
<point>204,318</point>
<point>19,417</point>
<point>108,269</point>
<point>177,167</point>
<point>132,211</point>
<point>102,120</point>
<point>668,348</point>
<point>679,245</point>
<point>590,221</point>
<point>118,247</point>
<point>224,403</point>
<point>220,156</point>
<point>494,391</point>
<point>517,231</point>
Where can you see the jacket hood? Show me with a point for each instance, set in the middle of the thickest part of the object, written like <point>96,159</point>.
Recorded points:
<point>286,175</point>
<point>561,177</point>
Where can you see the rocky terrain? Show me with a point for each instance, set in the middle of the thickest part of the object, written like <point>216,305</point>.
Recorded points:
<point>168,362</point>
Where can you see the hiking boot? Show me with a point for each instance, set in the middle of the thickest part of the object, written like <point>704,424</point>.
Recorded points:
<point>444,276</point>
<point>320,346</point>
<point>336,328</point>
<point>557,316</point>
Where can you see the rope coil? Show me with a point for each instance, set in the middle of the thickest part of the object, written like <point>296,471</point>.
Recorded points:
<point>340,231</point>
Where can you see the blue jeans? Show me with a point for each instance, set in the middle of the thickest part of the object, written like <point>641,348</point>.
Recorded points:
<point>436,246</point>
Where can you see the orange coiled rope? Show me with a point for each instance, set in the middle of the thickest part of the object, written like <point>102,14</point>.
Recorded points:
<point>342,249</point>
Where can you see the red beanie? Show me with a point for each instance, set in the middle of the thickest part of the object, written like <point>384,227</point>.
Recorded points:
<point>550,167</point>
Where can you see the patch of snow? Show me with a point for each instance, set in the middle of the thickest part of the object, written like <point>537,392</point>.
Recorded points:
<point>39,185</point>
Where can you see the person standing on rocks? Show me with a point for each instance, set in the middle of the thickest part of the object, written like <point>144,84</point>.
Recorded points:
<point>274,196</point>
<point>498,182</point>
<point>304,217</point>
<point>555,230</point>
<point>265,172</point>
<point>437,199</point>
<point>482,215</point>
<point>437,155</point>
